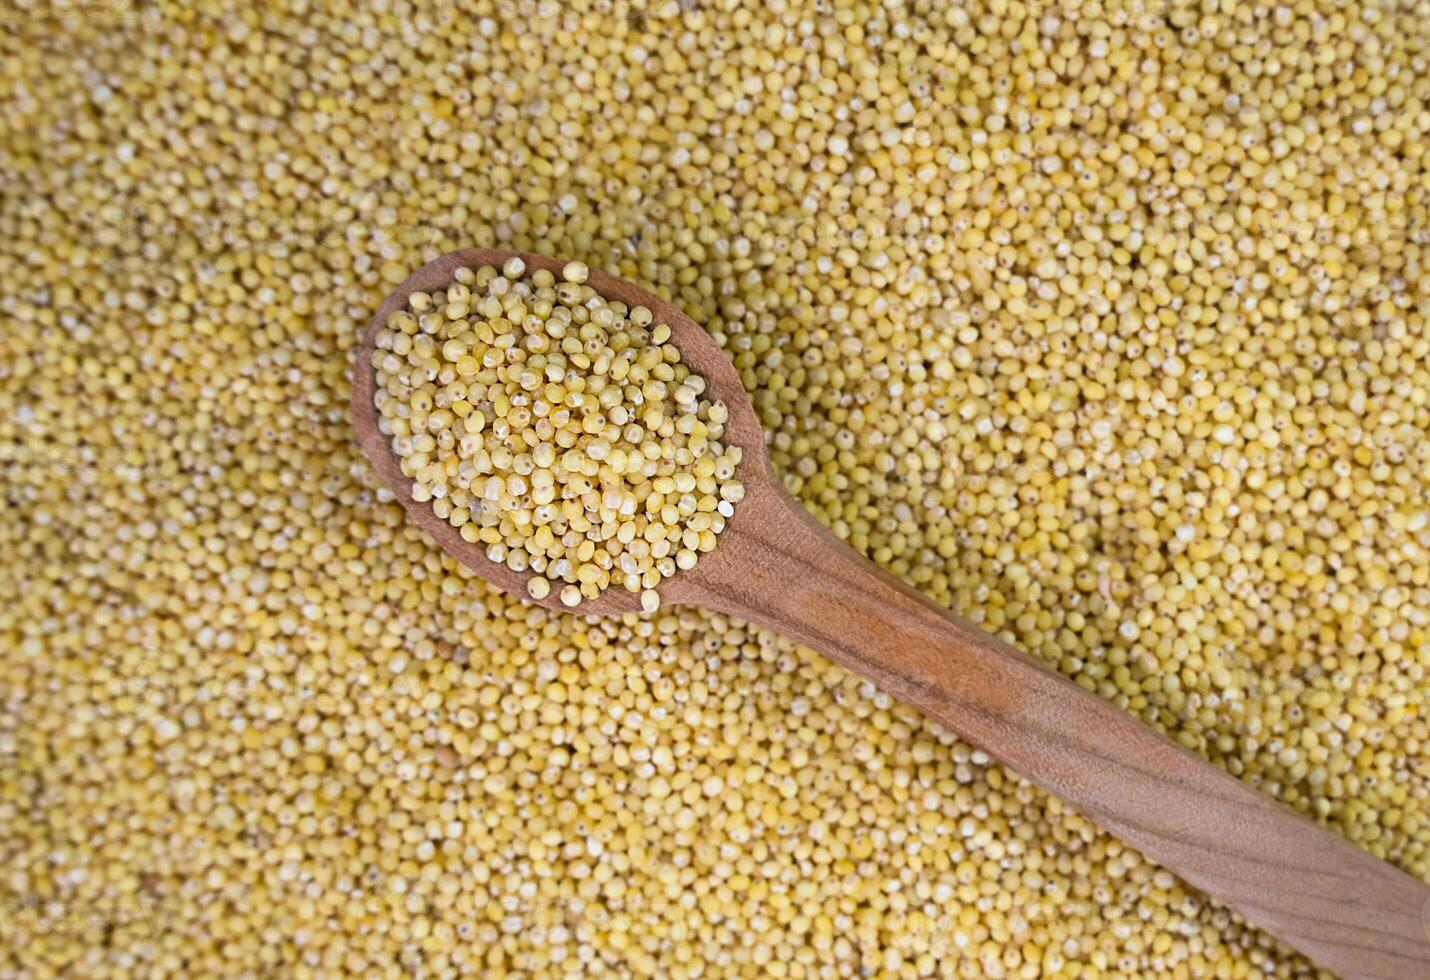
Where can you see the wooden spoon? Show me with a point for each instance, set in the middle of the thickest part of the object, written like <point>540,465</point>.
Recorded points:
<point>776,566</point>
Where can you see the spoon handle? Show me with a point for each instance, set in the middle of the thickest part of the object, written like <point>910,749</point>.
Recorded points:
<point>1316,891</point>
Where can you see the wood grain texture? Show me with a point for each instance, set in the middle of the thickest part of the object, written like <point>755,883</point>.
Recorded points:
<point>776,566</point>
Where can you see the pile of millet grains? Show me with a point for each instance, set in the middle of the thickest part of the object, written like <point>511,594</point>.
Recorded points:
<point>1103,324</point>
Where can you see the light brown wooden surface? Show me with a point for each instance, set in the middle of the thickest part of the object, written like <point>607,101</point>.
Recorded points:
<point>776,566</point>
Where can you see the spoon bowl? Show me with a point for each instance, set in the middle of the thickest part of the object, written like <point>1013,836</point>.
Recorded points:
<point>776,566</point>
<point>697,349</point>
